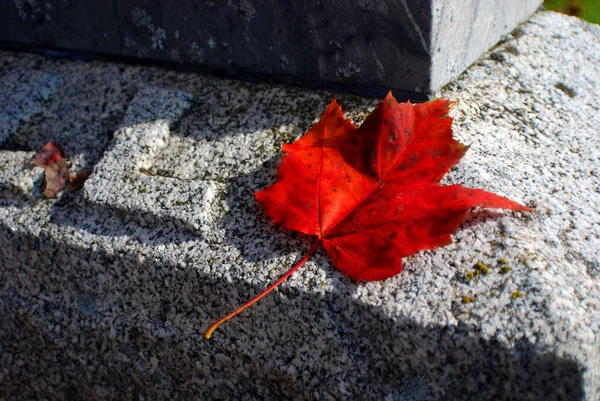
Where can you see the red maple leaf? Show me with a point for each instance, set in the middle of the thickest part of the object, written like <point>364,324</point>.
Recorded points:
<point>56,170</point>
<point>371,195</point>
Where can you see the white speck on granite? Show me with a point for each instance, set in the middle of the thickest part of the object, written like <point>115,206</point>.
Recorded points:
<point>105,292</point>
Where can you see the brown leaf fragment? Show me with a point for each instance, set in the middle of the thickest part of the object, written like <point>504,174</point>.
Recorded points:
<point>50,153</point>
<point>76,180</point>
<point>56,170</point>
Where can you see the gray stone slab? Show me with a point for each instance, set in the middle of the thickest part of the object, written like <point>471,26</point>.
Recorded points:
<point>463,29</point>
<point>409,45</point>
<point>106,296</point>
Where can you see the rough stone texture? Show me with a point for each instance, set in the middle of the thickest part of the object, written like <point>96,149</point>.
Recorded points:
<point>23,96</point>
<point>122,180</point>
<point>104,294</point>
<point>411,45</point>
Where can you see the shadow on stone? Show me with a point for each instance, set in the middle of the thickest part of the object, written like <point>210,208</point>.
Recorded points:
<point>114,327</point>
<point>138,225</point>
<point>12,195</point>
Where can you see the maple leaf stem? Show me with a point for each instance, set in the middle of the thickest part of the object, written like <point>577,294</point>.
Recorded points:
<point>219,322</point>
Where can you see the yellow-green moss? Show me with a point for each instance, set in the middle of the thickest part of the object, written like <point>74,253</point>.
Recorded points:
<point>481,268</point>
<point>468,300</point>
<point>523,260</point>
<point>517,294</point>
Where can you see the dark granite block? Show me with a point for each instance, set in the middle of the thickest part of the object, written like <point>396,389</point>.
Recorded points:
<point>412,45</point>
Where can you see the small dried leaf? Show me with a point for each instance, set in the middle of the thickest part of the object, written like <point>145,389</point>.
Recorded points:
<point>50,153</point>
<point>52,158</point>
<point>76,180</point>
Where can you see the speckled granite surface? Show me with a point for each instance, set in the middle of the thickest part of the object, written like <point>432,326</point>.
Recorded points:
<point>104,292</point>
